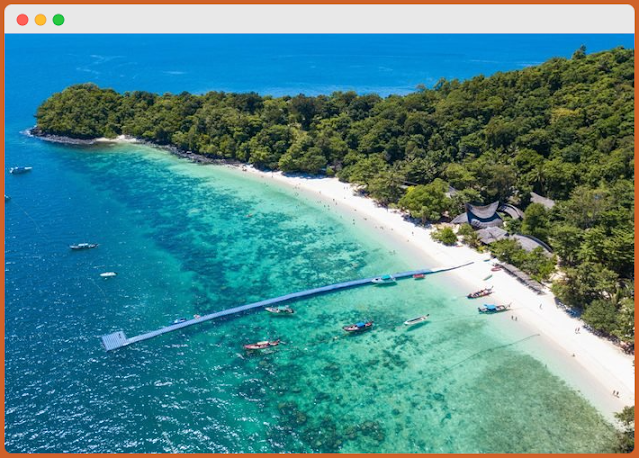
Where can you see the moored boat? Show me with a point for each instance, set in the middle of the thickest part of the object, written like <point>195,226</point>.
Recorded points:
<point>358,327</point>
<point>419,319</point>
<point>178,321</point>
<point>480,293</point>
<point>280,310</point>
<point>497,268</point>
<point>108,274</point>
<point>419,276</point>
<point>83,246</point>
<point>262,345</point>
<point>384,280</point>
<point>7,198</point>
<point>492,308</point>
<point>20,170</point>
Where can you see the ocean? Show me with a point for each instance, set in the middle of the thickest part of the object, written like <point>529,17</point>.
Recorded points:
<point>189,239</point>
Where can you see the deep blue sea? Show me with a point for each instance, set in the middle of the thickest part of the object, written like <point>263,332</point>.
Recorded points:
<point>189,239</point>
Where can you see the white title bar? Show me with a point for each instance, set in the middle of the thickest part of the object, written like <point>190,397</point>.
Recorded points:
<point>320,19</point>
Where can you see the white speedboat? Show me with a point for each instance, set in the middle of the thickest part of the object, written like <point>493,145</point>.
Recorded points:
<point>83,246</point>
<point>20,170</point>
<point>280,310</point>
<point>419,319</point>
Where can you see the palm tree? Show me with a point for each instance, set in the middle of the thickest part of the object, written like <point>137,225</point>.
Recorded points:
<point>539,178</point>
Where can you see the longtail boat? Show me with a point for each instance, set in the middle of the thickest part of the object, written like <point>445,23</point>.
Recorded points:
<point>358,327</point>
<point>480,293</point>
<point>492,308</point>
<point>262,345</point>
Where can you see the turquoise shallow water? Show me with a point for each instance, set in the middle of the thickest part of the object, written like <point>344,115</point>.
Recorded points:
<point>180,237</point>
<point>182,241</point>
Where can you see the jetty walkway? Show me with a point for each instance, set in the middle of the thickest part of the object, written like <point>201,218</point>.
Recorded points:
<point>118,339</point>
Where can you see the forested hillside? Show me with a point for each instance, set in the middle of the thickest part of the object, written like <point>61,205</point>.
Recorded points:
<point>564,129</point>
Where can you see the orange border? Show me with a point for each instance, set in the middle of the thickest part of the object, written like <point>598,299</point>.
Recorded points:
<point>326,2</point>
<point>633,3</point>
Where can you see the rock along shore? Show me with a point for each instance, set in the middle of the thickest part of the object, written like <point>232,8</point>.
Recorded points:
<point>191,156</point>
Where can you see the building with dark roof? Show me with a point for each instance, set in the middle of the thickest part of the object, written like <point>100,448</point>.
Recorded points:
<point>487,222</point>
<point>480,216</point>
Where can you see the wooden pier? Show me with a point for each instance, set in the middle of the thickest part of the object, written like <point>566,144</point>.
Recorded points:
<point>117,339</point>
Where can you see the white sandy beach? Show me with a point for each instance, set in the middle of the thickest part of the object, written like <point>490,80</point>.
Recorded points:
<point>590,364</point>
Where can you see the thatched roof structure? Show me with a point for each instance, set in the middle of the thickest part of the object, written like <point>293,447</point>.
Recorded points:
<point>480,216</point>
<point>487,221</point>
<point>491,234</point>
<point>524,278</point>
<point>483,216</point>
<point>529,243</point>
<point>545,201</point>
<point>511,211</point>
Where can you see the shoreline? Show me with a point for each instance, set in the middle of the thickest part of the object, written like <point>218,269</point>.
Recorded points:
<point>598,366</point>
<point>120,139</point>
<point>590,364</point>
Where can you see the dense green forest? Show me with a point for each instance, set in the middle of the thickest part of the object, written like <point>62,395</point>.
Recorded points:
<point>563,129</point>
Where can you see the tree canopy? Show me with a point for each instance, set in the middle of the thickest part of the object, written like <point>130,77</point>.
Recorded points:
<point>563,129</point>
